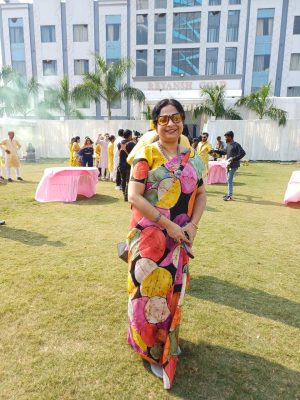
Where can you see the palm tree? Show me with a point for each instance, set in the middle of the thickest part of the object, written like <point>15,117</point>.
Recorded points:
<point>26,99</point>
<point>148,113</point>
<point>106,83</point>
<point>63,100</point>
<point>214,104</point>
<point>9,83</point>
<point>260,103</point>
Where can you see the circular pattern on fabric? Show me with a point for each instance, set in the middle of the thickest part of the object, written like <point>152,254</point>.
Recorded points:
<point>138,306</point>
<point>148,334</point>
<point>130,284</point>
<point>157,283</point>
<point>152,243</point>
<point>188,179</point>
<point>143,268</point>
<point>137,339</point>
<point>168,193</point>
<point>191,203</point>
<point>130,310</point>
<point>157,310</point>
<point>140,170</point>
<point>152,196</point>
<point>176,255</point>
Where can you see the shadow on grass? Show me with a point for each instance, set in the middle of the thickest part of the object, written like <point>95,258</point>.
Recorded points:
<point>97,199</point>
<point>247,199</point>
<point>27,237</point>
<point>214,372</point>
<point>251,300</point>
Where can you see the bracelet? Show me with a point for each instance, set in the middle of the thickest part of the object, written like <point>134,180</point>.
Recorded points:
<point>194,225</point>
<point>158,217</point>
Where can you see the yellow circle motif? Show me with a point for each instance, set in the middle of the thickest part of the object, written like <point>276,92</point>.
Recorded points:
<point>157,283</point>
<point>168,193</point>
<point>137,338</point>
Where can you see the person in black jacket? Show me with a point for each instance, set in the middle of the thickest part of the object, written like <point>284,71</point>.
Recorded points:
<point>234,153</point>
<point>86,152</point>
<point>125,147</point>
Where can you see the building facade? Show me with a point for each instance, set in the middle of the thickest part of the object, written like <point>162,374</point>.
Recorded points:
<point>177,45</point>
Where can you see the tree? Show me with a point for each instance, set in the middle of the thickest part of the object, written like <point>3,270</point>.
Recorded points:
<point>9,83</point>
<point>148,113</point>
<point>63,100</point>
<point>106,83</point>
<point>260,103</point>
<point>214,104</point>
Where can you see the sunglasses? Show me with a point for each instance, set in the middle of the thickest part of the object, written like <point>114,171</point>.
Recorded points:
<point>164,119</point>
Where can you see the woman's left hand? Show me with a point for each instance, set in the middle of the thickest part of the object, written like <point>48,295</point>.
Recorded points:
<point>191,231</point>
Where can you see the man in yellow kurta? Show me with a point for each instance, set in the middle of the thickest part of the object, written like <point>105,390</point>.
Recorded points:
<point>203,149</point>
<point>148,138</point>
<point>12,160</point>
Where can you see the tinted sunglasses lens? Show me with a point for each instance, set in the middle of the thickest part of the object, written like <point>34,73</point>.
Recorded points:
<point>163,120</point>
<point>176,118</point>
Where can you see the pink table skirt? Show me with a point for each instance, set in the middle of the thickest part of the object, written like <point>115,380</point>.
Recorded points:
<point>65,184</point>
<point>217,172</point>
<point>292,194</point>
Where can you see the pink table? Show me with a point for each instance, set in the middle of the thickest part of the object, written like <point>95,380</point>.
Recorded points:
<point>292,194</point>
<point>217,172</point>
<point>64,184</point>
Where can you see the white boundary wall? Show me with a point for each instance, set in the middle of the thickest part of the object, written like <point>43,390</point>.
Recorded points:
<point>261,139</point>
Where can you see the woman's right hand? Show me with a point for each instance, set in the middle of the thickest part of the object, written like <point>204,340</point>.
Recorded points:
<point>177,233</point>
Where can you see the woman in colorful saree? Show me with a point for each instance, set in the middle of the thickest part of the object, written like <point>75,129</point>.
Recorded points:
<point>168,198</point>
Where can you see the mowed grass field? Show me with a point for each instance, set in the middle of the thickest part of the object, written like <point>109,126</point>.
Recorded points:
<point>63,301</point>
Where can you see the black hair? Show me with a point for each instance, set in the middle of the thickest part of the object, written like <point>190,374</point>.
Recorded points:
<point>76,138</point>
<point>121,132</point>
<point>218,137</point>
<point>163,103</point>
<point>111,138</point>
<point>127,133</point>
<point>204,133</point>
<point>230,134</point>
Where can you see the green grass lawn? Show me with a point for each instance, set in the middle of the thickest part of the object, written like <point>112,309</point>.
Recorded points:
<point>63,301</point>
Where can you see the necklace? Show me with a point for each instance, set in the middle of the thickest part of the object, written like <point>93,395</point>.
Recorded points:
<point>173,167</point>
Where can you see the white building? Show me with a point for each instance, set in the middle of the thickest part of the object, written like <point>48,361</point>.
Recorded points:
<point>176,45</point>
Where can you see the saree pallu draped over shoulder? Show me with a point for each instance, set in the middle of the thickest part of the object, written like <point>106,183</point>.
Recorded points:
<point>158,266</point>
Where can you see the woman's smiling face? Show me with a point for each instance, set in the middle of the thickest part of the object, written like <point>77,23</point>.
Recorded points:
<point>170,132</point>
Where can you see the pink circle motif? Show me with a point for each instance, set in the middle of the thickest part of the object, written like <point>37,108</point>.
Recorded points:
<point>188,179</point>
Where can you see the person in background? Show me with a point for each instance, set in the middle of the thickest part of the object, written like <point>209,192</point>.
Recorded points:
<point>136,137</point>
<point>110,152</point>
<point>220,144</point>
<point>12,160</point>
<point>117,175</point>
<point>234,153</point>
<point>76,161</point>
<point>98,153</point>
<point>104,157</point>
<point>203,149</point>
<point>125,148</point>
<point>195,142</point>
<point>70,151</point>
<point>86,153</point>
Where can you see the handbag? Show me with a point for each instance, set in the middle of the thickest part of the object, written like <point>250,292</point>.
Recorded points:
<point>123,251</point>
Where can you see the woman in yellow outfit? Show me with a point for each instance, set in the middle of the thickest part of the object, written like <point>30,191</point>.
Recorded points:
<point>75,148</point>
<point>98,153</point>
<point>110,151</point>
<point>70,151</point>
<point>204,148</point>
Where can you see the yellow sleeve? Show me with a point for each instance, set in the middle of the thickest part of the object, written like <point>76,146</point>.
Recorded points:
<point>98,149</point>
<point>18,145</point>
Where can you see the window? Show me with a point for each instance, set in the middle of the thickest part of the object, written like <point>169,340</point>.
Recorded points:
<point>296,30</point>
<point>160,29</point>
<point>261,63</point>
<point>48,34</point>
<point>293,91</point>
<point>160,3</point>
<point>265,20</point>
<point>295,62</point>
<point>233,26</point>
<point>213,28</point>
<point>19,66</point>
<point>142,29</point>
<point>159,62</point>
<point>211,61</point>
<point>230,61</point>
<point>234,2</point>
<point>16,33</point>
<point>185,62</point>
<point>186,27</point>
<point>187,3</point>
<point>112,32</point>
<point>80,33</point>
<point>214,2</point>
<point>49,67</point>
<point>141,4</point>
<point>81,67</point>
<point>141,63</point>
